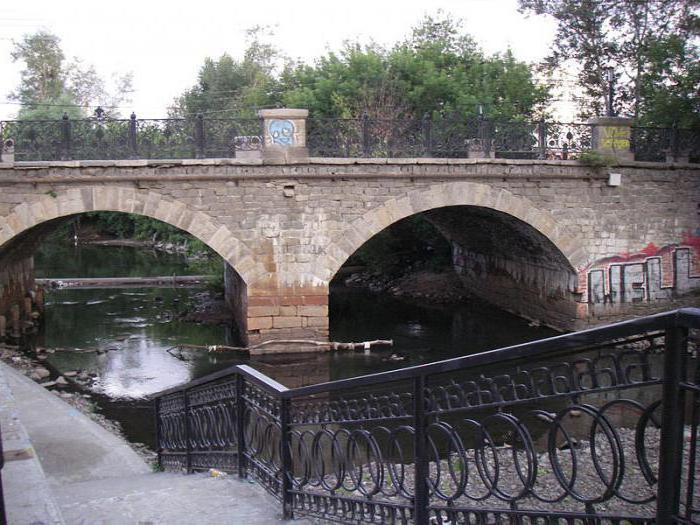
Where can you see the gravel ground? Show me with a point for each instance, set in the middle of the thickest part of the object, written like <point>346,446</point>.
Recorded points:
<point>587,482</point>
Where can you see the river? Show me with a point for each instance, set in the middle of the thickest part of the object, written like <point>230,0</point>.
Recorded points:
<point>133,328</point>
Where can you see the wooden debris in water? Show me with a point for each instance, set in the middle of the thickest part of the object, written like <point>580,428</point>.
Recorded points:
<point>326,345</point>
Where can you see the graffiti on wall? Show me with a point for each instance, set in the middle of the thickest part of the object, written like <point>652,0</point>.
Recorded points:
<point>650,275</point>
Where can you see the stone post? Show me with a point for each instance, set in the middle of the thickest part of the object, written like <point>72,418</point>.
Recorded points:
<point>611,136</point>
<point>7,153</point>
<point>284,135</point>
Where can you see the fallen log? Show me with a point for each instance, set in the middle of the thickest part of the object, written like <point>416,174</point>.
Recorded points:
<point>329,345</point>
<point>124,282</point>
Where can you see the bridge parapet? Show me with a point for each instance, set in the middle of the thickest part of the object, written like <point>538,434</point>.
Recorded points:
<point>292,134</point>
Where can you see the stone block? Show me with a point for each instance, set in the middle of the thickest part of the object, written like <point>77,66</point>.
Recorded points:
<point>263,311</point>
<point>259,323</point>
<point>286,322</point>
<point>313,311</point>
<point>317,322</point>
<point>316,299</point>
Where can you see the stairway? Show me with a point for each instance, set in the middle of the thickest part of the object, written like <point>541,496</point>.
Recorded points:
<point>66,469</point>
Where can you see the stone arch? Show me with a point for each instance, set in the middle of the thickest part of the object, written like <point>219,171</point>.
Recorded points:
<point>130,200</point>
<point>353,236</point>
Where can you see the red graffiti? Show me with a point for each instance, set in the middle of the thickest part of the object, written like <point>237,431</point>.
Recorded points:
<point>651,250</point>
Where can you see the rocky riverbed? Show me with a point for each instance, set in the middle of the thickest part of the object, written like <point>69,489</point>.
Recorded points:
<point>73,387</point>
<point>416,284</point>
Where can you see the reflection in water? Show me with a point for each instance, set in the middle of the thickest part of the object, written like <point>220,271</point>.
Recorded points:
<point>127,332</point>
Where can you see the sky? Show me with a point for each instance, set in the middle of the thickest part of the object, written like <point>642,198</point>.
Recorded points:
<point>164,43</point>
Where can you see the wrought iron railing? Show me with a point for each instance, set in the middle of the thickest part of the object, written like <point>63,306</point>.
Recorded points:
<point>3,515</point>
<point>593,427</point>
<point>445,136</point>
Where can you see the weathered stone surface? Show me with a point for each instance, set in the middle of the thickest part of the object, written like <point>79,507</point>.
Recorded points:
<point>286,322</point>
<point>259,323</point>
<point>287,229</point>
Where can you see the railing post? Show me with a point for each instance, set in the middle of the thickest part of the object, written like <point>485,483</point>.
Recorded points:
<point>485,136</point>
<point>133,150</point>
<point>542,138</point>
<point>420,489</point>
<point>3,516</point>
<point>286,459</point>
<point>675,146</point>
<point>671,443</point>
<point>65,137</point>
<point>366,143</point>
<point>427,126</point>
<point>199,136</point>
<point>188,442</point>
<point>159,450</point>
<point>240,425</point>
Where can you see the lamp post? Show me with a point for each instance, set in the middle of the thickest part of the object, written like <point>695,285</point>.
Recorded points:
<point>610,78</point>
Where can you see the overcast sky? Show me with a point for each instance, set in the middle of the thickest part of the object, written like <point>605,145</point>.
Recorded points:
<point>164,43</point>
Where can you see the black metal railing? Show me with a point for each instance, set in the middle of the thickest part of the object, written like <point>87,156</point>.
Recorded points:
<point>3,515</point>
<point>593,427</point>
<point>438,137</point>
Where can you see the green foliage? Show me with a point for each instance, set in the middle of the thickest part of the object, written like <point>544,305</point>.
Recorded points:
<point>595,159</point>
<point>409,241</point>
<point>437,70</point>
<point>43,77</point>
<point>50,86</point>
<point>204,260</point>
<point>651,44</point>
<point>233,88</point>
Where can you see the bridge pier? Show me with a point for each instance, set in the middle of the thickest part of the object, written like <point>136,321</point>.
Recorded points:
<point>289,313</point>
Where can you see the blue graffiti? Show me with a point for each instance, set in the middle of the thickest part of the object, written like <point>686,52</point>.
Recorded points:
<point>282,132</point>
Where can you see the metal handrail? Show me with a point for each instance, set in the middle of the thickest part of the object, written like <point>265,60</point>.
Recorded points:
<point>239,419</point>
<point>451,136</point>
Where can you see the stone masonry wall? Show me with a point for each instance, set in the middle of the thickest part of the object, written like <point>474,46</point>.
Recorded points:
<point>287,229</point>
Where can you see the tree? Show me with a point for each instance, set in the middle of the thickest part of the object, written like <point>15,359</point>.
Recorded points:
<point>228,87</point>
<point>650,44</point>
<point>437,70</point>
<point>50,86</point>
<point>43,77</point>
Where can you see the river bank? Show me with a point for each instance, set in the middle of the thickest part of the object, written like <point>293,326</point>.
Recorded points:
<point>416,284</point>
<point>71,387</point>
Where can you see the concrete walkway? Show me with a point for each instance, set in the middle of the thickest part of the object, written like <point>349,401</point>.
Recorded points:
<point>94,477</point>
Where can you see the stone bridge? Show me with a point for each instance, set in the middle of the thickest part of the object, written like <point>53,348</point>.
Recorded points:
<point>555,241</point>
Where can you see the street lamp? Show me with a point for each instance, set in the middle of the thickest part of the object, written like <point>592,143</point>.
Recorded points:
<point>610,78</point>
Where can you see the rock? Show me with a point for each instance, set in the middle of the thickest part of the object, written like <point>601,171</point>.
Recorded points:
<point>35,376</point>
<point>42,372</point>
<point>61,381</point>
<point>48,384</point>
<point>70,373</point>
<point>42,357</point>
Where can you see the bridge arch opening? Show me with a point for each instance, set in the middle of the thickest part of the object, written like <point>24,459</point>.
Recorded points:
<point>494,255</point>
<point>24,228</point>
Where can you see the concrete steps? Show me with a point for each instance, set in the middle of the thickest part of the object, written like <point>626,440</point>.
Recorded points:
<point>73,471</point>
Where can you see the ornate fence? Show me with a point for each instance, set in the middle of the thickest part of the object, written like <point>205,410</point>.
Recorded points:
<point>594,427</point>
<point>447,136</point>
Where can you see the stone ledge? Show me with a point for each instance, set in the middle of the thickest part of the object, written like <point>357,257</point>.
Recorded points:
<point>328,161</point>
<point>28,497</point>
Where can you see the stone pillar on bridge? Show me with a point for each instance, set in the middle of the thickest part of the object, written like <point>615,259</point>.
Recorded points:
<point>284,135</point>
<point>7,151</point>
<point>611,136</point>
